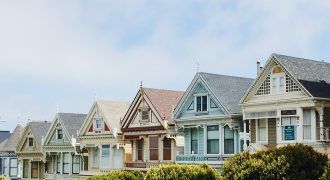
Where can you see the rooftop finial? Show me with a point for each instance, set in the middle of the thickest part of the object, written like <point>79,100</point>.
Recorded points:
<point>198,70</point>
<point>141,84</point>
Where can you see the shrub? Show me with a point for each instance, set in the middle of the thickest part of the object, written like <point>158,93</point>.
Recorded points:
<point>183,172</point>
<point>288,162</point>
<point>120,175</point>
<point>326,174</point>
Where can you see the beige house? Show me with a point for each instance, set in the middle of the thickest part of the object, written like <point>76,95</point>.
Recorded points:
<point>289,102</point>
<point>30,154</point>
<point>101,140</point>
<point>149,129</point>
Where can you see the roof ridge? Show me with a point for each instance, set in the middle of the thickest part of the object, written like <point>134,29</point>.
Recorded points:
<point>163,89</point>
<point>226,75</point>
<point>313,60</point>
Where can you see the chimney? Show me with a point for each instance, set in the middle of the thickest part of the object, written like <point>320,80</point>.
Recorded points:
<point>258,67</point>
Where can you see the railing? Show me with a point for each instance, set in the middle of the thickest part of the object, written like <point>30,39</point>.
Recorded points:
<point>197,159</point>
<point>326,134</point>
<point>144,165</point>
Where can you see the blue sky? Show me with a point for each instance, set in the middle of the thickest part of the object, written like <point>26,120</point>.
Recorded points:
<point>64,53</point>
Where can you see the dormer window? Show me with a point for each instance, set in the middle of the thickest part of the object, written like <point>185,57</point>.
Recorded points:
<point>59,134</point>
<point>30,142</point>
<point>278,81</point>
<point>98,123</point>
<point>145,115</point>
<point>201,103</point>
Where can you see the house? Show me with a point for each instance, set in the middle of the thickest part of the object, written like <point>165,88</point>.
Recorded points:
<point>289,102</point>
<point>61,146</point>
<point>8,158</point>
<point>31,157</point>
<point>101,140</point>
<point>149,129</point>
<point>210,119</point>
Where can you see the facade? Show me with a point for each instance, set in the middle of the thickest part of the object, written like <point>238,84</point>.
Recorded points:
<point>8,158</point>
<point>60,146</point>
<point>210,119</point>
<point>149,129</point>
<point>31,157</point>
<point>101,140</point>
<point>289,102</point>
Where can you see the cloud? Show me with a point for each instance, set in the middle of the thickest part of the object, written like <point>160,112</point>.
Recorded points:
<point>68,51</point>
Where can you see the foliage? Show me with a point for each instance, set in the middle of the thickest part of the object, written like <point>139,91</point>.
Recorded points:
<point>326,174</point>
<point>183,172</point>
<point>289,162</point>
<point>120,175</point>
<point>4,178</point>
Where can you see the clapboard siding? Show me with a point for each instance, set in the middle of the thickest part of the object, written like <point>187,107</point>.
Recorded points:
<point>201,141</point>
<point>187,141</point>
<point>253,131</point>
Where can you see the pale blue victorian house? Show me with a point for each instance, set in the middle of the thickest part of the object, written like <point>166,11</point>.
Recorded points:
<point>210,119</point>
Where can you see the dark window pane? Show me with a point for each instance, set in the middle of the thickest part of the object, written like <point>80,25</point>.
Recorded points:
<point>194,147</point>
<point>213,146</point>
<point>30,141</point>
<point>140,149</point>
<point>167,149</point>
<point>199,104</point>
<point>153,140</point>
<point>153,154</point>
<point>229,146</point>
<point>204,101</point>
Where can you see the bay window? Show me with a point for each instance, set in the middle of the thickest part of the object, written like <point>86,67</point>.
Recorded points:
<point>105,156</point>
<point>153,147</point>
<point>194,141</point>
<point>95,157</point>
<point>213,139</point>
<point>66,163</point>
<point>228,140</point>
<point>262,129</point>
<point>76,164</point>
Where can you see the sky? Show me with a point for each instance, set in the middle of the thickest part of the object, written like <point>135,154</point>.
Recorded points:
<point>62,55</point>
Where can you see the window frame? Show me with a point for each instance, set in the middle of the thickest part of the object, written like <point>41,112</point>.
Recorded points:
<point>207,138</point>
<point>13,167</point>
<point>147,114</point>
<point>75,163</point>
<point>156,148</point>
<point>310,125</point>
<point>202,103</point>
<point>257,131</point>
<point>191,141</point>
<point>139,149</point>
<point>96,120</point>
<point>57,134</point>
<point>30,143</point>
<point>105,156</point>
<point>224,139</point>
<point>168,148</point>
<point>295,128</point>
<point>96,158</point>
<point>65,164</point>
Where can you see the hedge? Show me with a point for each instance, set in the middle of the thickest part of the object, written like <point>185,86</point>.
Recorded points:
<point>289,162</point>
<point>120,175</point>
<point>183,172</point>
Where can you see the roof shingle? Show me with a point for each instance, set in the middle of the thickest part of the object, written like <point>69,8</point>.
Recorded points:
<point>72,122</point>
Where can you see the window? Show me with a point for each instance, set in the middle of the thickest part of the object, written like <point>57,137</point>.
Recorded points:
<point>262,129</point>
<point>228,140</point>
<point>34,169</point>
<point>5,165</point>
<point>105,156</point>
<point>66,163</point>
<point>191,106</point>
<point>98,123</point>
<point>25,168</point>
<point>1,166</point>
<point>30,142</point>
<point>167,149</point>
<point>201,103</point>
<point>307,124</point>
<point>76,164</point>
<point>213,139</point>
<point>140,149</point>
<point>59,163</point>
<point>59,134</point>
<point>95,157</point>
<point>153,145</point>
<point>289,128</point>
<point>13,167</point>
<point>145,115</point>
<point>194,141</point>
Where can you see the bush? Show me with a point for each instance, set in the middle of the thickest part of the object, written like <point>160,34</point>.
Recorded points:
<point>288,162</point>
<point>120,175</point>
<point>183,172</point>
<point>326,174</point>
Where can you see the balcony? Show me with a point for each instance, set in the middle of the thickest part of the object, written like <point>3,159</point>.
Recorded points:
<point>131,165</point>
<point>326,134</point>
<point>199,159</point>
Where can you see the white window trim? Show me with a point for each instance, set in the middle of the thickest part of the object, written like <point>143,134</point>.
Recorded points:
<point>101,157</point>
<point>257,132</point>
<point>98,119</point>
<point>205,138</point>
<point>281,132</point>
<point>277,76</point>
<point>197,141</point>
<point>207,102</point>
<point>57,134</point>
<point>223,140</point>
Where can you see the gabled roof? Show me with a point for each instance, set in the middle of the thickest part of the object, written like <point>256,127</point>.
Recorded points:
<point>164,101</point>
<point>39,129</point>
<point>313,75</point>
<point>12,140</point>
<point>72,122</point>
<point>228,89</point>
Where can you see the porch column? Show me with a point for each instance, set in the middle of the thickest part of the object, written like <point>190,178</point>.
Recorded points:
<point>30,169</point>
<point>320,111</point>
<point>61,162</point>
<point>70,172</point>
<point>244,130</point>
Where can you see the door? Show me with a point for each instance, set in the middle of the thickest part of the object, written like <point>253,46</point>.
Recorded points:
<point>34,169</point>
<point>140,149</point>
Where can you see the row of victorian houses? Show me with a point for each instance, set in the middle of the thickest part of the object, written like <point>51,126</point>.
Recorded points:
<point>216,117</point>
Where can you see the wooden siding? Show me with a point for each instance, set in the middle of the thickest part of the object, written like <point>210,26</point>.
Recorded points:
<point>271,132</point>
<point>201,141</point>
<point>253,131</point>
<point>187,141</point>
